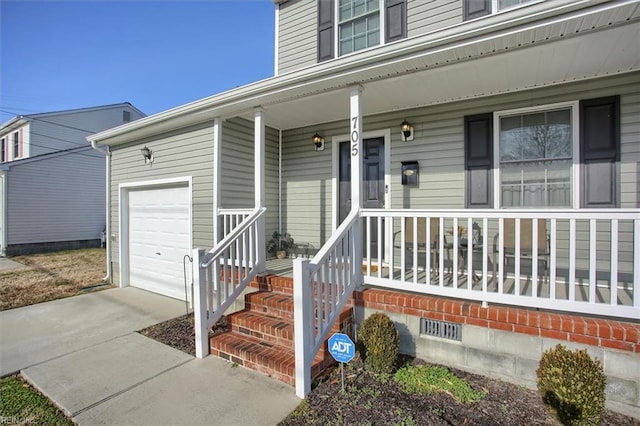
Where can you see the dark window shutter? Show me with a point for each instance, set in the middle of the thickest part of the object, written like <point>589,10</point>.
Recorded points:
<point>600,151</point>
<point>395,20</point>
<point>478,157</point>
<point>472,9</point>
<point>325,29</point>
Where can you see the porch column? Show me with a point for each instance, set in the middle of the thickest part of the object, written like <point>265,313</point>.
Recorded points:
<point>355,133</point>
<point>217,164</point>
<point>259,176</point>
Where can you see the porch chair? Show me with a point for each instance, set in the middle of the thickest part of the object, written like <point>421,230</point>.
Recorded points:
<point>421,243</point>
<point>526,244</point>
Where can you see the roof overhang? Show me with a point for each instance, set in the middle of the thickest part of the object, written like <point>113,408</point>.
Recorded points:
<point>13,124</point>
<point>489,58</point>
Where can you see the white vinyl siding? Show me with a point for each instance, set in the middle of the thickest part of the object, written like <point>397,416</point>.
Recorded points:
<point>58,198</point>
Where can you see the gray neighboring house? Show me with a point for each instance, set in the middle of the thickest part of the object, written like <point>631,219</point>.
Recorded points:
<point>51,182</point>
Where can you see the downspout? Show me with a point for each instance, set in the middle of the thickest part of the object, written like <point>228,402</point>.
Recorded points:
<point>107,154</point>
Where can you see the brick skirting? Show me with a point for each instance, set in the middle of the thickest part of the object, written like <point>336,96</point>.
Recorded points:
<point>599,332</point>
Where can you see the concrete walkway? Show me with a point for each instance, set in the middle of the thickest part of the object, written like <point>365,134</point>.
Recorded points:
<point>84,354</point>
<point>8,264</point>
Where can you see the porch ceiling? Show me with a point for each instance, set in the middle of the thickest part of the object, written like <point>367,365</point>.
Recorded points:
<point>488,67</point>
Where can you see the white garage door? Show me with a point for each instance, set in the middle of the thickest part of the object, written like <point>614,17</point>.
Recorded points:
<point>159,239</point>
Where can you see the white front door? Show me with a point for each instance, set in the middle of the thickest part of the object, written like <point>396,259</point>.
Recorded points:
<point>159,239</point>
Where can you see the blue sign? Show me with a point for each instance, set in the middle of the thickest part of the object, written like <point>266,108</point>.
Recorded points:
<point>341,347</point>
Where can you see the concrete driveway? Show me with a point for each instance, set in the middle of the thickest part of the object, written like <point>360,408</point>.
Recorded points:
<point>84,354</point>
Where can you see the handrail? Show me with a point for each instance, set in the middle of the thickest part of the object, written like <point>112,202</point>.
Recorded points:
<point>222,274</point>
<point>231,237</point>
<point>322,288</point>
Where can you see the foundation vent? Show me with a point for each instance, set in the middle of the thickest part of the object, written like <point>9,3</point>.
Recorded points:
<point>442,329</point>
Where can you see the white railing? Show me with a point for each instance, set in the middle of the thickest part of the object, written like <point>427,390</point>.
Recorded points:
<point>229,219</point>
<point>584,261</point>
<point>222,274</point>
<point>322,287</point>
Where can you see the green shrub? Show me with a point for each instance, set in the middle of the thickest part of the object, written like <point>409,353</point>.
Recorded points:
<point>426,379</point>
<point>379,343</point>
<point>572,385</point>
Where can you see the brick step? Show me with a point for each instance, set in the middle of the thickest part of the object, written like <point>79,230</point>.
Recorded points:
<point>273,283</point>
<point>270,359</point>
<point>271,329</point>
<point>278,305</point>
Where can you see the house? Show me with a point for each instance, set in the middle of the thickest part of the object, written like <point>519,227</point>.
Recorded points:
<point>468,167</point>
<point>52,183</point>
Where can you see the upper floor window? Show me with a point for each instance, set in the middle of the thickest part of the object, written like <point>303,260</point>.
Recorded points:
<point>16,146</point>
<point>476,8</point>
<point>126,116</point>
<point>3,150</point>
<point>360,24</point>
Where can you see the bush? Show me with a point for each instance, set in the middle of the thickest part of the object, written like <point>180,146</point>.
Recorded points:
<point>379,343</point>
<point>572,385</point>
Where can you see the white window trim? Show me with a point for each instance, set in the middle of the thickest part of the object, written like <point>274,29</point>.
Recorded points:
<point>336,32</point>
<point>495,10</point>
<point>575,148</point>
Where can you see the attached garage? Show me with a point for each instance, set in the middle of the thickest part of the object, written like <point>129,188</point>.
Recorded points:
<point>156,236</point>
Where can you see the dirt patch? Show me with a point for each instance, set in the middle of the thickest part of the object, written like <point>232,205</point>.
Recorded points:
<point>368,400</point>
<point>52,276</point>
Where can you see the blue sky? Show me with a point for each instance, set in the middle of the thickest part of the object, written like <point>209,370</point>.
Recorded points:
<point>57,55</point>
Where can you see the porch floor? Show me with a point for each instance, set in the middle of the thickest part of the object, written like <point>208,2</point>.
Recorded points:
<point>284,268</point>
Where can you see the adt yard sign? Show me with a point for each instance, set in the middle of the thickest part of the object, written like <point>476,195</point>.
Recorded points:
<point>341,347</point>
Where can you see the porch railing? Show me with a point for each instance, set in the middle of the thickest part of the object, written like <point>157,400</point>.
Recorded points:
<point>322,287</point>
<point>585,261</point>
<point>222,274</point>
<point>229,219</point>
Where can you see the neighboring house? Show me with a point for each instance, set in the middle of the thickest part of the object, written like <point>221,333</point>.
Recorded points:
<point>52,194</point>
<point>393,133</point>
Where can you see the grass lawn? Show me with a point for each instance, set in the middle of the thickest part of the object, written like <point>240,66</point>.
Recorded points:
<point>52,276</point>
<point>22,404</point>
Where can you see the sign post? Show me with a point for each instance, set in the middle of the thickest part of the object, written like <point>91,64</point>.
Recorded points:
<point>342,349</point>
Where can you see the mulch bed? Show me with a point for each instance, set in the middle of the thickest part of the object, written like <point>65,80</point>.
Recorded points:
<point>370,401</point>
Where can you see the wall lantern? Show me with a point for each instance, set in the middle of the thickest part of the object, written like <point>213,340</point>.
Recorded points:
<point>407,131</point>
<point>318,141</point>
<point>147,154</point>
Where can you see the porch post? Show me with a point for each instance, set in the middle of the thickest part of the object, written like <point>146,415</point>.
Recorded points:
<point>217,164</point>
<point>200,312</point>
<point>355,139</point>
<point>355,133</point>
<point>259,175</point>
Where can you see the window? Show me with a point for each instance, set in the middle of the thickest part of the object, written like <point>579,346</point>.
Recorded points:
<point>126,116</point>
<point>476,8</point>
<point>16,145</point>
<point>536,158</point>
<point>360,24</point>
<point>533,158</point>
<point>3,150</point>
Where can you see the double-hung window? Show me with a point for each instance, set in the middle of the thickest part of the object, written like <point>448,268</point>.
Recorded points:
<point>476,8</point>
<point>536,149</point>
<point>16,145</point>
<point>3,150</point>
<point>358,25</point>
<point>347,26</point>
<point>563,155</point>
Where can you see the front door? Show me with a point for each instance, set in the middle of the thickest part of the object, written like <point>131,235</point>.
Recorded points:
<point>372,182</point>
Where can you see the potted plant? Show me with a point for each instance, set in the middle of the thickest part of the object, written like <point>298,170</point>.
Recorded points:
<point>279,244</point>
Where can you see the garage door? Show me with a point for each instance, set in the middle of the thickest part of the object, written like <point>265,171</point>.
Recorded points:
<point>159,239</point>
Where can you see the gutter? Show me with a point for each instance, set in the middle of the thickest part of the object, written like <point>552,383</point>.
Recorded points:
<point>107,154</point>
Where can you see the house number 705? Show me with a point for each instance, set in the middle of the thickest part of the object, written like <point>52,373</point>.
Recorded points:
<point>354,137</point>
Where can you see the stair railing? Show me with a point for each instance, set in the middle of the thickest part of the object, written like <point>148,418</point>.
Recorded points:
<point>222,274</point>
<point>321,288</point>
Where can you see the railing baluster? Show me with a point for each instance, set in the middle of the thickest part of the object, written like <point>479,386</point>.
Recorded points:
<point>552,260</point>
<point>592,260</point>
<point>456,252</point>
<point>469,254</point>
<point>500,255</point>
<point>614,261</point>
<point>414,266</point>
<point>403,242</point>
<point>441,250</point>
<point>534,258</point>
<point>516,278</point>
<point>428,251</point>
<point>572,260</point>
<point>381,231</point>
<point>636,263</point>
<point>485,253</point>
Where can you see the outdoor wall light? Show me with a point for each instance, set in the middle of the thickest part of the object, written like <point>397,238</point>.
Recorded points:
<point>318,141</point>
<point>147,154</point>
<point>407,131</point>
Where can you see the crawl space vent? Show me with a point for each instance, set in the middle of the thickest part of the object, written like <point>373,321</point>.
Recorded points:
<point>442,329</point>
